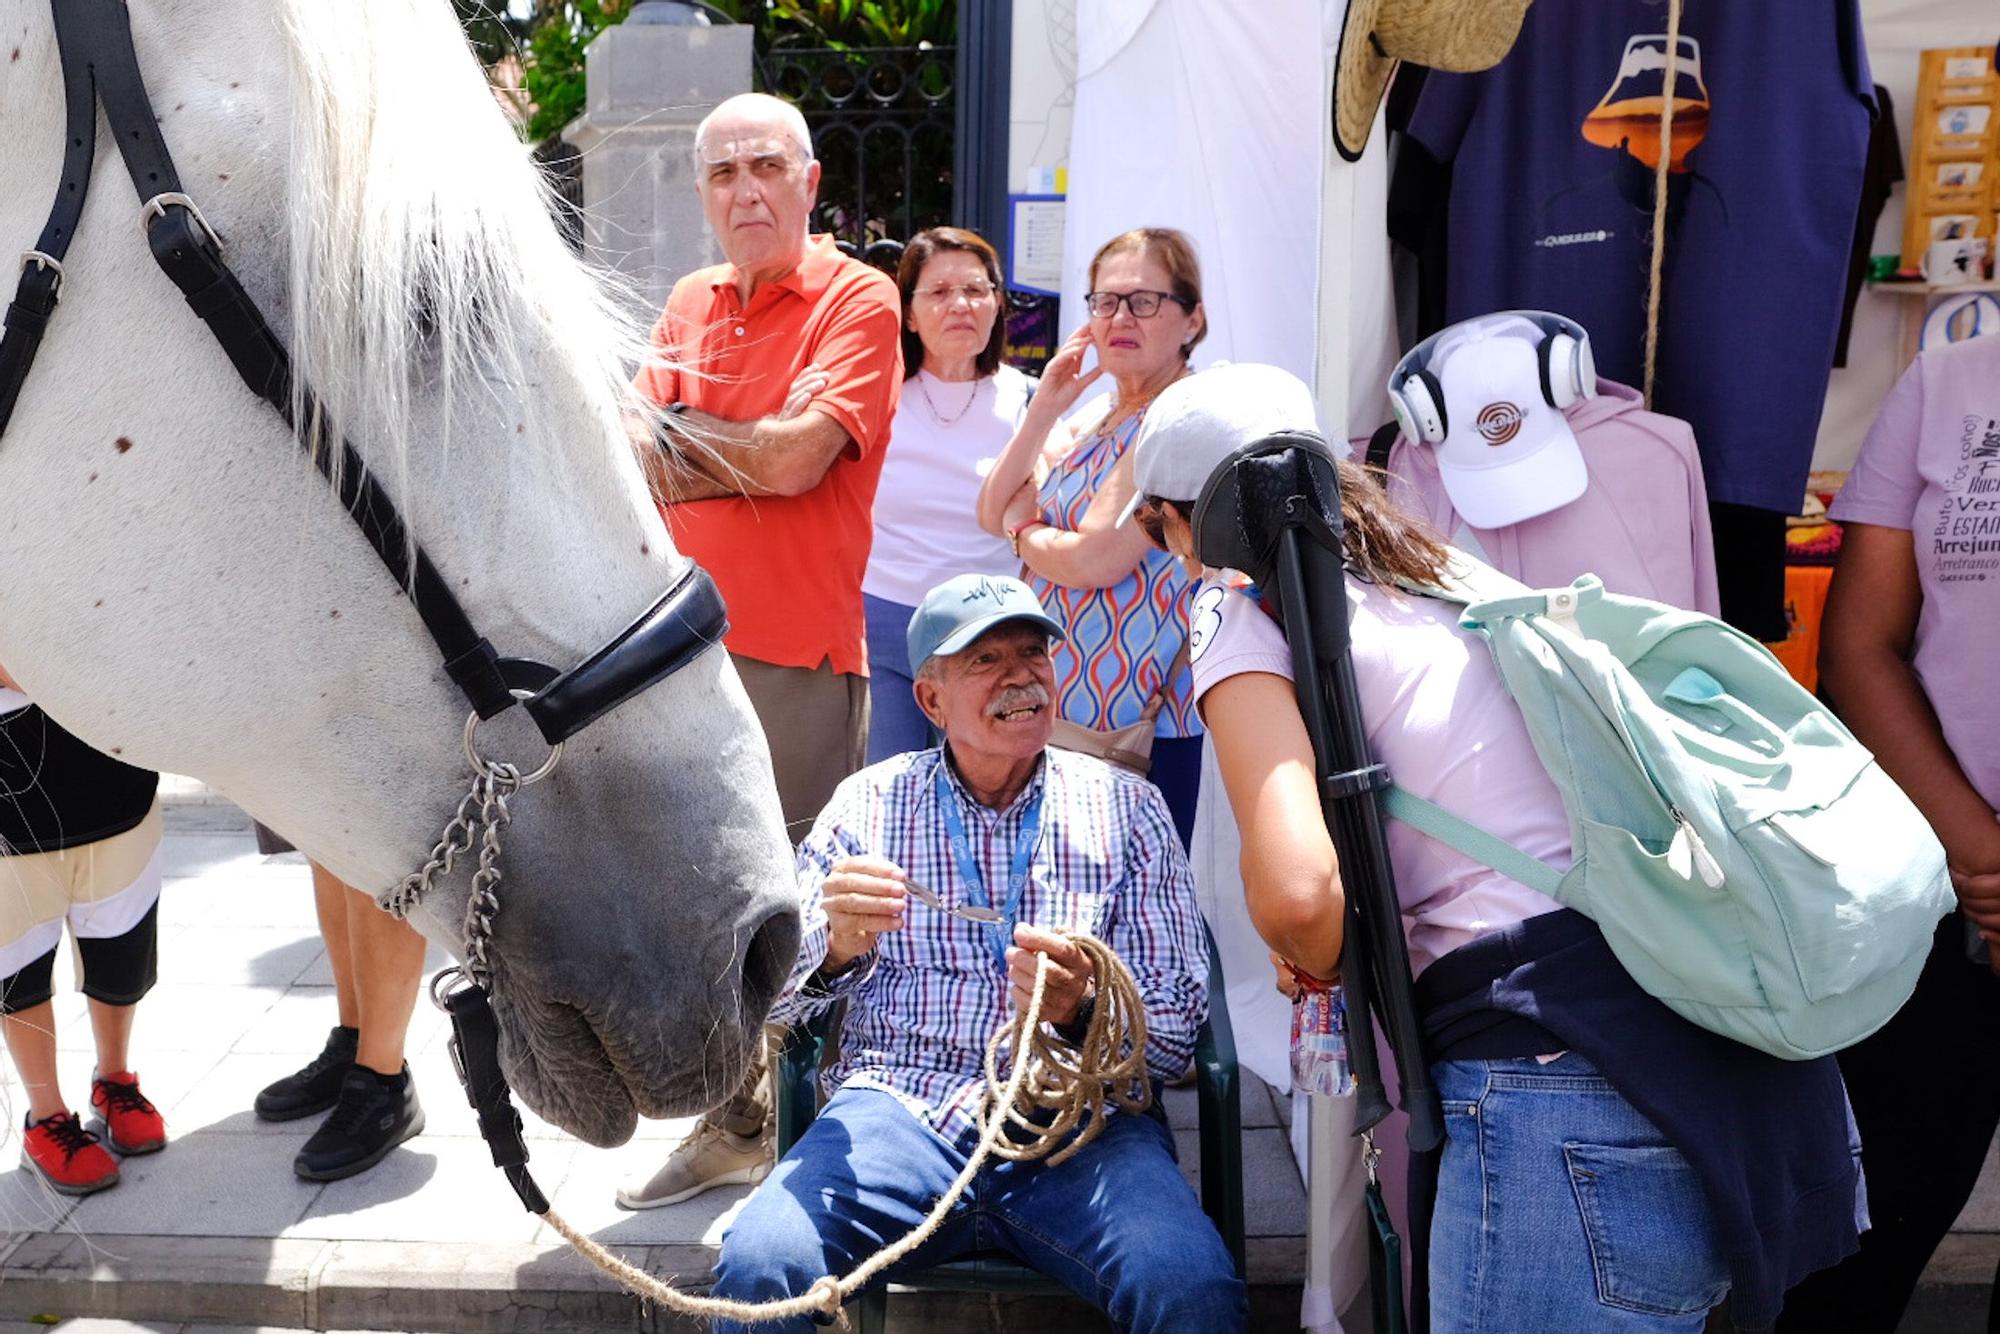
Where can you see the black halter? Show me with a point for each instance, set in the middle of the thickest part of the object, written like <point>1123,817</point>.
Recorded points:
<point>99,64</point>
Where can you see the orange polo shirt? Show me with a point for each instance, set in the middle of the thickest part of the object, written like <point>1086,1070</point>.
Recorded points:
<point>789,566</point>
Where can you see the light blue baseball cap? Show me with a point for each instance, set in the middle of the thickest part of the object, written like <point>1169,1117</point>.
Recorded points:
<point>964,607</point>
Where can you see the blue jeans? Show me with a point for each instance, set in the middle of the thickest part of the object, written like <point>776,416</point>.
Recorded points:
<point>1560,1207</point>
<point>1117,1224</point>
<point>895,723</point>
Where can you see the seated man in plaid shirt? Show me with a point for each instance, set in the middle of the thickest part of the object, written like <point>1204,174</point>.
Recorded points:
<point>1046,841</point>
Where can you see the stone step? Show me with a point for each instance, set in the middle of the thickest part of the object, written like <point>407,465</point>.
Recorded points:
<point>459,1288</point>
<point>208,1285</point>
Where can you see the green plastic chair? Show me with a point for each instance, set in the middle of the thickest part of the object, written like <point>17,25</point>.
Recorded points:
<point>1218,1095</point>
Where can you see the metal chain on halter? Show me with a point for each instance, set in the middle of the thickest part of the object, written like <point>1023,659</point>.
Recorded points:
<point>479,818</point>
<point>493,786</point>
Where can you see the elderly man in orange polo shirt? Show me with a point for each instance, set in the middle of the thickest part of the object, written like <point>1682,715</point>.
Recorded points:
<point>780,371</point>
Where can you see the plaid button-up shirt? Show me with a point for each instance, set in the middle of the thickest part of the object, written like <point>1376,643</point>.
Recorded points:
<point>923,1003</point>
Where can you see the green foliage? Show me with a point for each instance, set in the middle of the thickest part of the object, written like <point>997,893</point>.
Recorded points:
<point>490,29</point>
<point>847,23</point>
<point>555,37</point>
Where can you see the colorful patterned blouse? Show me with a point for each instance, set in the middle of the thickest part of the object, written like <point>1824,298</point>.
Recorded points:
<point>1123,638</point>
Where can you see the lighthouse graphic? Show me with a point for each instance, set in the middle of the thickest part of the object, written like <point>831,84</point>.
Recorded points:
<point>1626,122</point>
<point>1628,117</point>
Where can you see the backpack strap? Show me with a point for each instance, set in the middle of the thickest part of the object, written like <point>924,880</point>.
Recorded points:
<point>1381,444</point>
<point>1487,849</point>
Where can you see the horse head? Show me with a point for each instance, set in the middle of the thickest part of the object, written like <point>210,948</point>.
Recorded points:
<point>180,588</point>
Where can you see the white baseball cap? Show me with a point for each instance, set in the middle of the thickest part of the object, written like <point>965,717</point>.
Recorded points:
<point>1508,455</point>
<point>1199,420</point>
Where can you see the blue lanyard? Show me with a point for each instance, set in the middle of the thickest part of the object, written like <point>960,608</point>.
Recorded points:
<point>1000,933</point>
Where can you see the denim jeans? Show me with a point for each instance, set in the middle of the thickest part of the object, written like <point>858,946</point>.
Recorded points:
<point>895,723</point>
<point>1117,1224</point>
<point>1560,1207</point>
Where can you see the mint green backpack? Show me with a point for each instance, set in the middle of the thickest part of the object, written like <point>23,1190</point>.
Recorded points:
<point>1747,860</point>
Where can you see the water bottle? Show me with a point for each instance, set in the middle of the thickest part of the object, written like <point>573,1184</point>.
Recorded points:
<point>1319,1042</point>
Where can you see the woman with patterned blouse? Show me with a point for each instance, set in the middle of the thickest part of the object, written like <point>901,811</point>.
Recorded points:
<point>1057,490</point>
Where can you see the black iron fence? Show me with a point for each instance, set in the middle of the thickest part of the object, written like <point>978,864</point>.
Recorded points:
<point>882,122</point>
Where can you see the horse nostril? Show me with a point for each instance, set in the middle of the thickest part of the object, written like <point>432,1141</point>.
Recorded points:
<point>768,961</point>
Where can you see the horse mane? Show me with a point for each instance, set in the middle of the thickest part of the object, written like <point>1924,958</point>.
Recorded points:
<point>425,266</point>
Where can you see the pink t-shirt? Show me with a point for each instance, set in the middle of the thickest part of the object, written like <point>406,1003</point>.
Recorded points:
<point>1931,466</point>
<point>1439,717</point>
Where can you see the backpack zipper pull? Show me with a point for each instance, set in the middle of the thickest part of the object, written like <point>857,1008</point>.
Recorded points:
<point>1688,854</point>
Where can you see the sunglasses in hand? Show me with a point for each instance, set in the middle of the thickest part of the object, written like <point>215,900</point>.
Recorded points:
<point>965,912</point>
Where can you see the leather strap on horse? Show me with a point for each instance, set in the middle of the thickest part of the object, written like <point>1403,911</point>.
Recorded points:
<point>41,281</point>
<point>94,38</point>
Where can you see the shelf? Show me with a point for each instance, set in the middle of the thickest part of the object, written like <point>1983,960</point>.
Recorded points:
<point>1930,289</point>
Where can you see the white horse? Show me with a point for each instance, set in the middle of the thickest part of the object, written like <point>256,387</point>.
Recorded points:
<point>178,587</point>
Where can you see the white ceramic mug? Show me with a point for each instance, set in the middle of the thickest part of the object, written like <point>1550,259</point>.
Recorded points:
<point>1960,260</point>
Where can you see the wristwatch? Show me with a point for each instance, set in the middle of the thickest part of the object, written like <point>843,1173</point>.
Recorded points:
<point>665,437</point>
<point>1014,532</point>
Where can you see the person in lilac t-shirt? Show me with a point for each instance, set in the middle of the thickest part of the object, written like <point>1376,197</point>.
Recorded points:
<point>1906,657</point>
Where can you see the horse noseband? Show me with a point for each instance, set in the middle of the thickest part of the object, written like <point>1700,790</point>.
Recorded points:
<point>688,619</point>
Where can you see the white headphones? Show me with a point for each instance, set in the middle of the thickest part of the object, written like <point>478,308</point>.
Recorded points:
<point>1568,371</point>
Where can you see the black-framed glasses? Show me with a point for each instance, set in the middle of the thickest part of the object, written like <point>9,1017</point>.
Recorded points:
<point>1143,305</point>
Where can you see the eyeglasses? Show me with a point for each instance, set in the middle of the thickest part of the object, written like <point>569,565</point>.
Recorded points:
<point>968,911</point>
<point>975,294</point>
<point>1143,305</point>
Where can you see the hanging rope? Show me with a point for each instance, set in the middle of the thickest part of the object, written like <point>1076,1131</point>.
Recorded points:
<point>1660,174</point>
<point>1065,1087</point>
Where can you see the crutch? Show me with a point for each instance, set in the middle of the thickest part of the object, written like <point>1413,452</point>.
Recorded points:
<point>1272,511</point>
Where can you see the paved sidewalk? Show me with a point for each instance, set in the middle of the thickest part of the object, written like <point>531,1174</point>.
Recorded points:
<point>216,1231</point>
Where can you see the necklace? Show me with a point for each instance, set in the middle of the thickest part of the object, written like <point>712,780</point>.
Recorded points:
<point>931,403</point>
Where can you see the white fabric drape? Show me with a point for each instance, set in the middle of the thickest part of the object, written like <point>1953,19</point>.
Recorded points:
<point>1214,119</point>
<point>1207,118</point>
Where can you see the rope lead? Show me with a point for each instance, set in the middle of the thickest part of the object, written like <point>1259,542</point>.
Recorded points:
<point>1055,1091</point>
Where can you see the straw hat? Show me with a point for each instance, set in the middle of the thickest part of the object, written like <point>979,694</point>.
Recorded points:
<point>1462,36</point>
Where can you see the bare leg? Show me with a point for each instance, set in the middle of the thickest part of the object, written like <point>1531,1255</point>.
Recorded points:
<point>330,896</point>
<point>386,965</point>
<point>31,1038</point>
<point>112,1026</point>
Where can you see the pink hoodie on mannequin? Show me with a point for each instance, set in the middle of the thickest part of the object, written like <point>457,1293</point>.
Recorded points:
<point>1641,525</point>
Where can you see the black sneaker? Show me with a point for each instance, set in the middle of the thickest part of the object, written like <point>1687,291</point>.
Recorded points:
<point>375,1113</point>
<point>315,1088</point>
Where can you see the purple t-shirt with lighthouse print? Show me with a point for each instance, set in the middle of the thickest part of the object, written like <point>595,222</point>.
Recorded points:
<point>1931,466</point>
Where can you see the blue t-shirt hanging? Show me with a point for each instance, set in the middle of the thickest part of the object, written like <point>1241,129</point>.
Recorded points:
<point>1553,153</point>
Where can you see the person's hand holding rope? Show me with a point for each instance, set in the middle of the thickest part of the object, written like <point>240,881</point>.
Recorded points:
<point>863,898</point>
<point>1071,977</point>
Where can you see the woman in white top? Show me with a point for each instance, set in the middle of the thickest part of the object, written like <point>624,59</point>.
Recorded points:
<point>960,407</point>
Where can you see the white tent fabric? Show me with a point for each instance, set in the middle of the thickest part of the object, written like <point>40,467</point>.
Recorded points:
<point>1207,118</point>
<point>1213,119</point>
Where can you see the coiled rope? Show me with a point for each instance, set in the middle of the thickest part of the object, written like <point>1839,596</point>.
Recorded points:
<point>1055,1091</point>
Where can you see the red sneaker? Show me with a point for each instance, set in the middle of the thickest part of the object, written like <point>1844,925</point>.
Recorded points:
<point>131,1123</point>
<point>67,1156</point>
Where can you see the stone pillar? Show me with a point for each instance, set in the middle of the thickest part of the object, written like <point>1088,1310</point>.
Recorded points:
<point>648,86</point>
